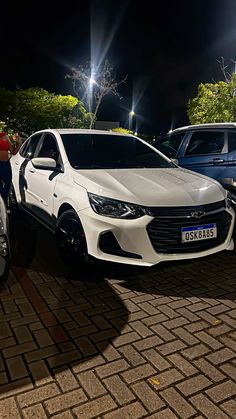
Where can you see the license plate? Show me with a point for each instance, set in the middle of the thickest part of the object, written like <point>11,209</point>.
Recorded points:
<point>196,233</point>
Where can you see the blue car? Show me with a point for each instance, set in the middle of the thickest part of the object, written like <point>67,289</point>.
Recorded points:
<point>209,149</point>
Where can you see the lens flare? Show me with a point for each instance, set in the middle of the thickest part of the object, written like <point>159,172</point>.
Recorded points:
<point>103,28</point>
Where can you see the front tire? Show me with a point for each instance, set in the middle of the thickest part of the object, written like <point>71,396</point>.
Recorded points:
<point>70,238</point>
<point>4,268</point>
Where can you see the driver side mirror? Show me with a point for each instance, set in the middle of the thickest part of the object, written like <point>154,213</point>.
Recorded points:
<point>45,163</point>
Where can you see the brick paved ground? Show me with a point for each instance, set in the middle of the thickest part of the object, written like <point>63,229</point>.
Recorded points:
<point>157,343</point>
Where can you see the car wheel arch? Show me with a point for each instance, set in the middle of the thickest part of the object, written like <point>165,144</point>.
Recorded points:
<point>63,208</point>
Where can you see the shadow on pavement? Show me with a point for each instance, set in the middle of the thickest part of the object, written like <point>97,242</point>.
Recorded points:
<point>72,314</point>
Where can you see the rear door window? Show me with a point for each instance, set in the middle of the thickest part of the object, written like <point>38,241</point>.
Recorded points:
<point>205,142</point>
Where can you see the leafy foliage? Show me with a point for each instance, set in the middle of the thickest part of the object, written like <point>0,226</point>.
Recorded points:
<point>148,138</point>
<point>33,109</point>
<point>122,130</point>
<point>215,102</point>
<point>2,126</point>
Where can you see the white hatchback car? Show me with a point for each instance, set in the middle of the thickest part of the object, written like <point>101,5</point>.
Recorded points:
<point>116,198</point>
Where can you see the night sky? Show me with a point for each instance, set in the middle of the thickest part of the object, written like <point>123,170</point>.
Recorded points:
<point>165,47</point>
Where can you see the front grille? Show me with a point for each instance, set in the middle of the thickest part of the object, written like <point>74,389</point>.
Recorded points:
<point>165,233</point>
<point>183,211</point>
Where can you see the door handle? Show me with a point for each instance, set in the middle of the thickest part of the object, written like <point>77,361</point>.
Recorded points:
<point>215,161</point>
<point>32,170</point>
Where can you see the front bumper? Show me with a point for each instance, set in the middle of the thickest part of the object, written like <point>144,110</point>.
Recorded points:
<point>133,238</point>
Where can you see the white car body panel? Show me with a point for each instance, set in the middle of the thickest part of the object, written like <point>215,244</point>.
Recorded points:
<point>132,236</point>
<point>170,187</point>
<point>150,187</point>
<point>41,186</point>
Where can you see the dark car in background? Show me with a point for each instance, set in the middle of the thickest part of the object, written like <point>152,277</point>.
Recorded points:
<point>209,149</point>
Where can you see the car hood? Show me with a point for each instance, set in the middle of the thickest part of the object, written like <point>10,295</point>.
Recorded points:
<point>151,187</point>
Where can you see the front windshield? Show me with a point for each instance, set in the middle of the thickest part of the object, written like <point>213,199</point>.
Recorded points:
<point>97,151</point>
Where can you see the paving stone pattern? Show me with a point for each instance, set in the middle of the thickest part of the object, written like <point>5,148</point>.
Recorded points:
<point>156,343</point>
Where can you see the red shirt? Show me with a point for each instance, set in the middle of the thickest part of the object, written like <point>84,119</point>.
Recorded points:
<point>4,145</point>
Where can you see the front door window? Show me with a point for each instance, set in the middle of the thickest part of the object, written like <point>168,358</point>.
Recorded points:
<point>205,142</point>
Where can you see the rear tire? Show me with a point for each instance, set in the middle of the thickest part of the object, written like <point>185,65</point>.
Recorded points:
<point>70,239</point>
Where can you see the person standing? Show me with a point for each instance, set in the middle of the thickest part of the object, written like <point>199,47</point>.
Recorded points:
<point>8,147</point>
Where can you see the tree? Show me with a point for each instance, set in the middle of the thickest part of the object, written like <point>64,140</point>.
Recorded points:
<point>148,138</point>
<point>33,109</point>
<point>215,102</point>
<point>224,69</point>
<point>93,84</point>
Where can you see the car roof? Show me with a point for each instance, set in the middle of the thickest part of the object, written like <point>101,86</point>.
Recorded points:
<point>84,131</point>
<point>203,126</point>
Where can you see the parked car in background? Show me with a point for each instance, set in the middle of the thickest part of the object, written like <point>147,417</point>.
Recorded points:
<point>209,149</point>
<point>116,198</point>
<point>4,241</point>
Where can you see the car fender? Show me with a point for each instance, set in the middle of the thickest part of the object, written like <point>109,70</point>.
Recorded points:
<point>73,195</point>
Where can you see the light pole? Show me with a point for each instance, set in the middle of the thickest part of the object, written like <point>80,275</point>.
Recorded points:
<point>91,84</point>
<point>131,115</point>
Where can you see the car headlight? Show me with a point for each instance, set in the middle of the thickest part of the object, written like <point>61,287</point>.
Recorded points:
<point>113,208</point>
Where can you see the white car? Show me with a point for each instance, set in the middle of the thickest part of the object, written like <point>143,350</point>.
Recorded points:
<point>116,198</point>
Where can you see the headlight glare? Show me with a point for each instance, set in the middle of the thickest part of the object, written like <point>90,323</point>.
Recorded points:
<point>113,208</point>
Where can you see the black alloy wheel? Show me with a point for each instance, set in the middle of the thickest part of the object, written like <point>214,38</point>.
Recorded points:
<point>70,238</point>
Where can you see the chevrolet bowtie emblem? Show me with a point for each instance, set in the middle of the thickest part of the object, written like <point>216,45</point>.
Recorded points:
<point>197,214</point>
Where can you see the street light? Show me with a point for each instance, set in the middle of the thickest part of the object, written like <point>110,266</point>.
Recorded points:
<point>92,81</point>
<point>131,114</point>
